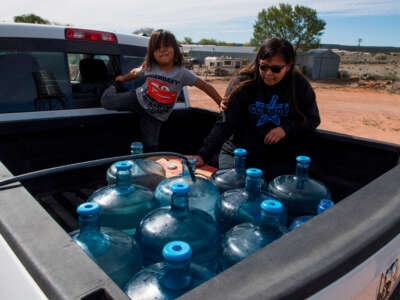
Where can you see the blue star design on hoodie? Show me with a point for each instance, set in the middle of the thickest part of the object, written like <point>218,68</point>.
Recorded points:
<point>269,112</point>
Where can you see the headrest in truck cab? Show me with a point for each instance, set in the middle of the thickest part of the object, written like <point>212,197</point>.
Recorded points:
<point>92,70</point>
<point>17,86</point>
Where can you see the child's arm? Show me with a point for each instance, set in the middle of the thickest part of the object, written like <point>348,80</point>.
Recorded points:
<point>130,76</point>
<point>209,90</point>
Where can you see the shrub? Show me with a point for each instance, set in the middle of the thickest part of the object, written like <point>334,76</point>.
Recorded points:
<point>380,56</point>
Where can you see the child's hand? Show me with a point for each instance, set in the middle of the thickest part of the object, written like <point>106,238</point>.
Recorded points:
<point>120,78</point>
<point>223,104</point>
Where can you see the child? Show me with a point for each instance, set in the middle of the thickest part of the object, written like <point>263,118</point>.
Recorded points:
<point>154,100</point>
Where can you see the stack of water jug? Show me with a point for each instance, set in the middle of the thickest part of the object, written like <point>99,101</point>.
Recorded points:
<point>160,244</point>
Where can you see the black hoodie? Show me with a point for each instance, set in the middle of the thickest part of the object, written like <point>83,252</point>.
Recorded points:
<point>256,109</point>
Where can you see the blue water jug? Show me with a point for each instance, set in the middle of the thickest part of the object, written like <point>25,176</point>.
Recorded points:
<point>144,172</point>
<point>203,193</point>
<point>114,251</point>
<point>234,178</point>
<point>246,238</point>
<point>124,204</point>
<point>299,193</point>
<point>227,208</point>
<point>323,205</point>
<point>169,279</point>
<point>179,222</point>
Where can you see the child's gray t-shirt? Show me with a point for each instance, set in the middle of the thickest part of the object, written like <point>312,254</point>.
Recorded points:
<point>159,92</point>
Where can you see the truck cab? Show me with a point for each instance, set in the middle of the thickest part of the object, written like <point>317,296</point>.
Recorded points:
<point>50,115</point>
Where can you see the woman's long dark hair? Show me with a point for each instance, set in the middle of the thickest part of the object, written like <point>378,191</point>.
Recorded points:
<point>250,74</point>
<point>160,38</point>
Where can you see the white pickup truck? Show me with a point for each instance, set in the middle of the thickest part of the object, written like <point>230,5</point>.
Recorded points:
<point>51,80</point>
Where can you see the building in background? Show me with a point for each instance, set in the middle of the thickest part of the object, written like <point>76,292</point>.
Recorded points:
<point>200,52</point>
<point>319,63</point>
<point>223,65</point>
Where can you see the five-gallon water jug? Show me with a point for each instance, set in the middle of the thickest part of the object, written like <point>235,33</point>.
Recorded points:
<point>179,222</point>
<point>227,208</point>
<point>246,238</point>
<point>234,178</point>
<point>124,204</point>
<point>323,205</point>
<point>144,172</point>
<point>114,251</point>
<point>299,193</point>
<point>203,193</point>
<point>169,279</point>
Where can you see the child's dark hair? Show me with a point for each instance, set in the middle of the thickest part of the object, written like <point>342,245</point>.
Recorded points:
<point>250,74</point>
<point>160,38</point>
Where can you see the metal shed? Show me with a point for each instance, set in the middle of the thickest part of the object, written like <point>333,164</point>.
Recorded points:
<point>319,63</point>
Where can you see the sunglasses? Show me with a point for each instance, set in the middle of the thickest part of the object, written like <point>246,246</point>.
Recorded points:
<point>274,69</point>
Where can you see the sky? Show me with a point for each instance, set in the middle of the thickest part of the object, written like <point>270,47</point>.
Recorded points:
<point>376,22</point>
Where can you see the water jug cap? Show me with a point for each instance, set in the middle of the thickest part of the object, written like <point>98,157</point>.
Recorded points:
<point>180,188</point>
<point>303,159</point>
<point>240,152</point>
<point>253,172</point>
<point>137,145</point>
<point>177,251</point>
<point>324,204</point>
<point>88,208</point>
<point>123,165</point>
<point>273,206</point>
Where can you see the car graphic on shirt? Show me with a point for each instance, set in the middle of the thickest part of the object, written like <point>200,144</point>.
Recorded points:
<point>160,91</point>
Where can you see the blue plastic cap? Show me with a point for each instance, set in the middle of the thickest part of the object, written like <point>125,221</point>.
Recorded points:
<point>123,165</point>
<point>303,159</point>
<point>137,145</point>
<point>324,204</point>
<point>253,172</point>
<point>240,152</point>
<point>272,206</point>
<point>180,188</point>
<point>177,251</point>
<point>88,208</point>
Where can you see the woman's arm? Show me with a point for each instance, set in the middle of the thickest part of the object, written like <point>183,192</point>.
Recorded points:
<point>209,90</point>
<point>307,104</point>
<point>225,126</point>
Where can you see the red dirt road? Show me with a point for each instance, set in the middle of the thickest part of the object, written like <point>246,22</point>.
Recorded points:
<point>354,111</point>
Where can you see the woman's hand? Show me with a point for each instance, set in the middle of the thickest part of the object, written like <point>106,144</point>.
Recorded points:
<point>199,160</point>
<point>274,136</point>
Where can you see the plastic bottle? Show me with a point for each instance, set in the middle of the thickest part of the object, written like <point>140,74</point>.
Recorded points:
<point>203,193</point>
<point>168,279</point>
<point>144,172</point>
<point>180,222</point>
<point>299,193</point>
<point>124,204</point>
<point>246,238</point>
<point>323,205</point>
<point>227,209</point>
<point>114,251</point>
<point>234,178</point>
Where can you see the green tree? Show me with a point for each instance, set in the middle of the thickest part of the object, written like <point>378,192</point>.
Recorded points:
<point>208,42</point>
<point>215,42</point>
<point>187,40</point>
<point>145,31</point>
<point>31,18</point>
<point>299,25</point>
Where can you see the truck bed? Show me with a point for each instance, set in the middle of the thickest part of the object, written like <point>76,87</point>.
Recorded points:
<point>362,175</point>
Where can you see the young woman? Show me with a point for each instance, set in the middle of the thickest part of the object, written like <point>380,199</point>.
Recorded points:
<point>154,100</point>
<point>269,104</point>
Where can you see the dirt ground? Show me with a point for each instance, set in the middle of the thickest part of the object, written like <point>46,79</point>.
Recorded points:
<point>362,112</point>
